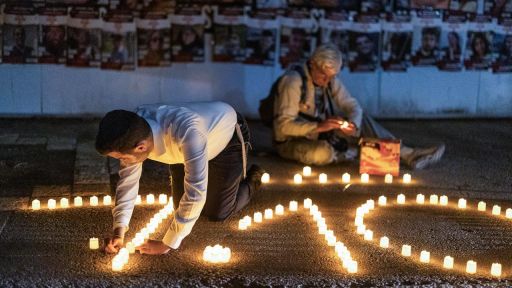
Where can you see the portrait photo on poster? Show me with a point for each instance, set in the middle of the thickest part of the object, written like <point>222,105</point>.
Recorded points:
<point>363,51</point>
<point>479,54</point>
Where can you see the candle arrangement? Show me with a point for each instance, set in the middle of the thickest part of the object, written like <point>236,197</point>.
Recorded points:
<point>216,254</point>
<point>94,201</point>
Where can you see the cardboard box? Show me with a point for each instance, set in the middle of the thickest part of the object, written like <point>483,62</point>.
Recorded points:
<point>379,156</point>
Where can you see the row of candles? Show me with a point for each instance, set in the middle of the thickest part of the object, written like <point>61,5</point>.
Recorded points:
<point>94,201</point>
<point>268,214</point>
<point>448,261</point>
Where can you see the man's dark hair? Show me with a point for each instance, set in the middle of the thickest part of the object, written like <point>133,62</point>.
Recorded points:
<point>121,131</point>
<point>430,31</point>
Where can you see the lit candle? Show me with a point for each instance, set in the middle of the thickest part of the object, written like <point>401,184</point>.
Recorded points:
<point>331,240</point>
<point>313,209</point>
<point>150,199</point>
<point>496,210</point>
<point>265,178</point>
<point>407,178</point>
<point>508,213</point>
<point>352,267</point>
<point>297,179</point>
<point>365,178</point>
<point>384,242</point>
<point>248,220</point>
<point>388,179</point>
<point>162,199</point>
<point>420,199</point>
<point>361,229</point>
<point>482,206</point>
<point>64,203</point>
<point>322,229</point>
<point>138,200</point>
<point>242,225</point>
<point>382,201</point>
<point>107,200</point>
<point>307,203</point>
<point>400,199</point>
<point>443,200</point>
<point>117,263</point>
<point>77,201</point>
<point>462,203</point>
<point>471,267</point>
<point>358,220</point>
<point>93,201</point>
<point>434,199</point>
<point>496,269</point>
<point>130,247</point>
<point>293,206</point>
<point>268,214</point>
<point>368,235</point>
<point>279,209</point>
<point>424,256</point>
<point>306,171</point>
<point>36,204</point>
<point>52,204</point>
<point>448,262</point>
<point>258,217</point>
<point>406,250</point>
<point>370,204</point>
<point>345,178</point>
<point>94,243</point>
<point>322,178</point>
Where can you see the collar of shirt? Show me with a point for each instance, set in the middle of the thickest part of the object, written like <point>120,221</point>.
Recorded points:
<point>158,143</point>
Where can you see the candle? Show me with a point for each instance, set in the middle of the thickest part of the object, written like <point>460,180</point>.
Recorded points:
<point>443,200</point>
<point>370,204</point>
<point>388,179</point>
<point>297,179</point>
<point>471,267</point>
<point>462,203</point>
<point>313,209</point>
<point>107,200</point>
<point>77,201</point>
<point>448,262</point>
<point>496,269</point>
<point>482,206</point>
<point>117,263</point>
<point>150,199</point>
<point>265,178</point>
<point>424,256</point>
<point>242,225</point>
<point>434,199</point>
<point>94,243</point>
<point>258,217</point>
<point>293,206</point>
<point>496,210</point>
<point>361,229</point>
<point>279,209</point>
<point>368,235</point>
<point>365,178</point>
<point>407,178</point>
<point>322,229</point>
<point>248,220</point>
<point>358,220</point>
<point>352,266</point>
<point>306,171</point>
<point>382,201</point>
<point>406,250</point>
<point>384,242</point>
<point>162,199</point>
<point>331,240</point>
<point>130,247</point>
<point>508,213</point>
<point>420,199</point>
<point>64,203</point>
<point>268,213</point>
<point>52,204</point>
<point>36,204</point>
<point>93,201</point>
<point>138,200</point>
<point>400,199</point>
<point>345,178</point>
<point>307,203</point>
<point>322,178</point>
<point>216,254</point>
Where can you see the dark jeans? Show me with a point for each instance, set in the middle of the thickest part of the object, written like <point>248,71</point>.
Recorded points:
<point>227,191</point>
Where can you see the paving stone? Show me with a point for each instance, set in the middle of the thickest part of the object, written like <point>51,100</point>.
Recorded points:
<point>61,143</point>
<point>8,139</point>
<point>13,203</point>
<point>41,191</point>
<point>4,217</point>
<point>32,141</point>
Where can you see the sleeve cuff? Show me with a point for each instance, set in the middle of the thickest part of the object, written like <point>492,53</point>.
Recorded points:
<point>172,239</point>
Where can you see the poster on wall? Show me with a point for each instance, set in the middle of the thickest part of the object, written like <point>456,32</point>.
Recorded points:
<point>1,36</point>
<point>425,41</point>
<point>497,8</point>
<point>270,4</point>
<point>334,29</point>
<point>479,52</point>
<point>153,39</point>
<point>430,4</point>
<point>296,39</point>
<point>364,47</point>
<point>463,6</point>
<point>187,32</point>
<point>261,39</point>
<point>21,35</point>
<point>84,37</point>
<point>503,49</point>
<point>396,46</point>
<point>52,36</point>
<point>118,42</point>
<point>372,7</point>
<point>452,42</point>
<point>229,33</point>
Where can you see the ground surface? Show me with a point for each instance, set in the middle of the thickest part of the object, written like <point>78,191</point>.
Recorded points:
<point>41,158</point>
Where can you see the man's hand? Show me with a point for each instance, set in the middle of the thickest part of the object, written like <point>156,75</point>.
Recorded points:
<point>327,125</point>
<point>112,245</point>
<point>348,129</point>
<point>153,247</point>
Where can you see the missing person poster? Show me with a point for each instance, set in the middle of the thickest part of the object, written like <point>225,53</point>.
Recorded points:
<point>52,36</point>
<point>334,29</point>
<point>296,39</point>
<point>479,51</point>
<point>364,46</point>
<point>430,4</point>
<point>452,42</point>
<point>261,39</point>
<point>425,42</point>
<point>503,49</point>
<point>84,37</point>
<point>379,156</point>
<point>396,46</point>
<point>118,42</point>
<point>187,30</point>
<point>229,34</point>
<point>464,6</point>
<point>21,34</point>
<point>153,39</point>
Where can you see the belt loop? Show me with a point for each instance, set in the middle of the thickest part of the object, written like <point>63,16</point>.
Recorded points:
<point>244,152</point>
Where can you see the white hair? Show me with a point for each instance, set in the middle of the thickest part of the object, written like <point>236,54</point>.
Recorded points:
<point>327,57</point>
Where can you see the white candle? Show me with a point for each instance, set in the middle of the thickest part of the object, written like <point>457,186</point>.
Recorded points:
<point>434,199</point>
<point>322,229</point>
<point>406,250</point>
<point>322,178</point>
<point>388,179</point>
<point>52,204</point>
<point>36,204</point>
<point>368,235</point>
<point>448,262</point>
<point>365,178</point>
<point>345,178</point>
<point>107,200</point>
<point>407,178</point>
<point>297,179</point>
<point>162,199</point>
<point>242,224</point>
<point>64,203</point>
<point>358,220</point>
<point>313,209</point>
<point>400,199</point>
<point>443,200</point>
<point>361,229</point>
<point>496,210</point>
<point>265,178</point>
<point>462,203</point>
<point>279,209</point>
<point>424,256</point>
<point>370,204</point>
<point>248,220</point>
<point>496,269</point>
<point>93,201</point>
<point>150,199</point>
<point>471,267</point>
<point>508,213</point>
<point>293,206</point>
<point>268,214</point>
<point>131,247</point>
<point>331,240</point>
<point>482,206</point>
<point>420,199</point>
<point>384,242</point>
<point>138,200</point>
<point>307,203</point>
<point>258,217</point>
<point>352,267</point>
<point>306,171</point>
<point>94,243</point>
<point>77,201</point>
<point>117,263</point>
<point>382,201</point>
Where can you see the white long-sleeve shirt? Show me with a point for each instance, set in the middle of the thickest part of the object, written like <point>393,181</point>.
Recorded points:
<point>192,134</point>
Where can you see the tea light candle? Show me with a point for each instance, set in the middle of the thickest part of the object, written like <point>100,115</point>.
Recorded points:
<point>130,247</point>
<point>93,201</point>
<point>36,204</point>
<point>496,269</point>
<point>322,229</point>
<point>138,200</point>
<point>150,199</point>
<point>117,263</point>
<point>279,209</point>
<point>313,209</point>
<point>471,267</point>
<point>352,267</point>
<point>358,220</point>
<point>306,171</point>
<point>384,242</point>
<point>448,262</point>
<point>345,178</point>
<point>482,206</point>
<point>242,225</point>
<point>368,235</point>
<point>420,199</point>
<point>297,179</point>
<point>258,217</point>
<point>77,201</point>
<point>248,220</point>
<point>307,203</point>
<point>268,214</point>
<point>294,206</point>
<point>434,199</point>
<point>462,203</point>
<point>94,243</point>
<point>162,199</point>
<point>52,204</point>
<point>424,256</point>
<point>388,179</point>
<point>407,178</point>
<point>443,200</point>
<point>265,178</point>
<point>496,210</point>
<point>361,229</point>
<point>400,199</point>
<point>64,203</point>
<point>216,254</point>
<point>406,250</point>
<point>107,200</point>
<point>382,201</point>
<point>508,213</point>
<point>331,240</point>
<point>365,178</point>
<point>322,178</point>
<point>370,204</point>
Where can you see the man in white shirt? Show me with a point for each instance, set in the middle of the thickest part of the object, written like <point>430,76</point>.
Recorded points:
<point>205,144</point>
